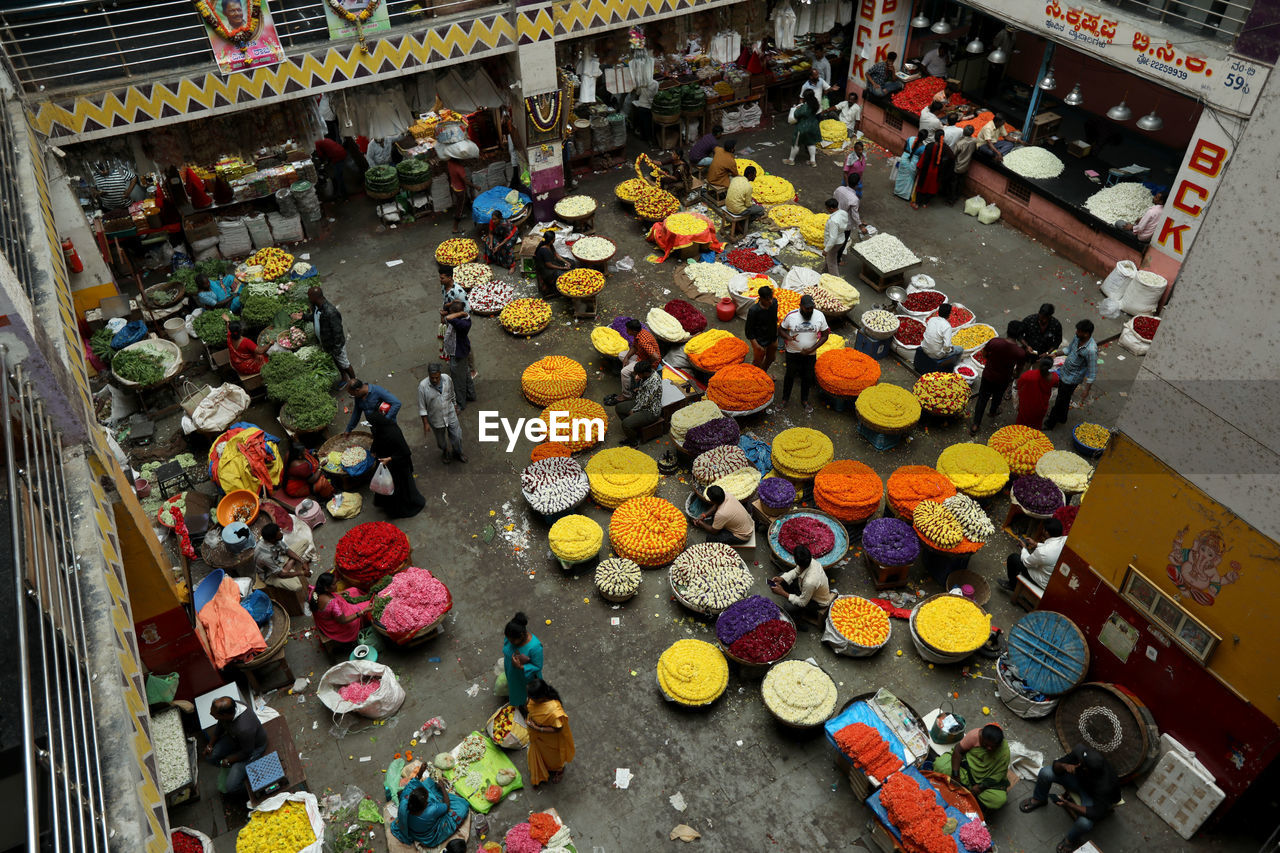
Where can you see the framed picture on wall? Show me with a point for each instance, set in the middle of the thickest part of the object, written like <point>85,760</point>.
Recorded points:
<point>1196,638</point>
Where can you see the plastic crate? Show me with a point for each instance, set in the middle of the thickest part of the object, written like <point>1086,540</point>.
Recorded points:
<point>870,346</point>
<point>265,772</point>
<point>878,440</point>
<point>1178,791</point>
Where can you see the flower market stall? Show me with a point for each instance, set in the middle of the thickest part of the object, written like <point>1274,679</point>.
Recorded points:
<point>876,735</point>
<point>688,233</point>
<point>754,633</point>
<point>409,607</point>
<point>826,537</point>
<point>369,552</point>
<point>692,673</point>
<point>856,627</point>
<point>948,628</point>
<point>480,771</point>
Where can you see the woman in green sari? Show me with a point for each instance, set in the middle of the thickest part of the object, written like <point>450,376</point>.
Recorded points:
<point>980,762</point>
<point>808,131</point>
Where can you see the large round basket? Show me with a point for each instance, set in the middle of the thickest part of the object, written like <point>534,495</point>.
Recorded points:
<point>416,188</point>
<point>803,727</point>
<point>902,430</point>
<point>698,608</point>
<point>757,669</point>
<point>1049,651</point>
<point>532,332</point>
<point>854,650</point>
<point>552,518</point>
<point>928,652</point>
<point>875,336</point>
<point>377,196</point>
<point>954,793</point>
<point>168,350</point>
<point>1013,500</point>
<point>1016,699</point>
<point>783,557</point>
<point>420,636</point>
<point>616,599</point>
<point>599,264</point>
<point>757,410</point>
<point>276,637</point>
<point>345,441</point>
<point>671,699</point>
<point>1103,717</point>
<point>292,429</point>
<point>981,589</point>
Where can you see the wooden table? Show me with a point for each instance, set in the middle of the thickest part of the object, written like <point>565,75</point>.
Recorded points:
<point>280,740</point>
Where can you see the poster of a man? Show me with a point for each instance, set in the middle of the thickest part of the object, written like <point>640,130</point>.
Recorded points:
<point>241,34</point>
<point>232,14</point>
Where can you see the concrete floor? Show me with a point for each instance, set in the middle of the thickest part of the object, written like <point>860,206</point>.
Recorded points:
<point>748,784</point>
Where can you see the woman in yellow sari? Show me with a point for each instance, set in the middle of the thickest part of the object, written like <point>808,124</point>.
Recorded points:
<point>550,738</point>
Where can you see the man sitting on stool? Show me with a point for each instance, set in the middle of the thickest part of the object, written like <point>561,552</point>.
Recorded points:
<point>644,407</point>
<point>237,739</point>
<point>804,589</point>
<point>277,563</point>
<point>936,351</point>
<point>1035,560</point>
<point>727,521</point>
<point>1083,771</point>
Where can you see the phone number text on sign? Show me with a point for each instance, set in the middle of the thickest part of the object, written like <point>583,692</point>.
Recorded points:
<point>1162,68</point>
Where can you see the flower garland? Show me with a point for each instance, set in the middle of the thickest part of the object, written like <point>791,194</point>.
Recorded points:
<point>618,474</point>
<point>848,490</point>
<point>975,469</point>
<point>241,36</point>
<point>911,484</point>
<point>357,18</point>
<point>846,372</point>
<point>693,672</point>
<point>801,452</point>
<point>740,388</point>
<point>649,531</point>
<point>952,624</point>
<point>1021,446</point>
<point>575,538</point>
<point>544,111</point>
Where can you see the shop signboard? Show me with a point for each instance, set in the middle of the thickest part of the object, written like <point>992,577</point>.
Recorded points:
<point>241,34</point>
<point>1154,51</point>
<point>881,25</point>
<point>1207,156</point>
<point>344,25</point>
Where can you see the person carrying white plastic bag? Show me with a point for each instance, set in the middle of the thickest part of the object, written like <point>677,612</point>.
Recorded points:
<point>382,482</point>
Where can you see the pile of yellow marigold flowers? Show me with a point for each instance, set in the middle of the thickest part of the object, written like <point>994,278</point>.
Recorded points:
<point>693,672</point>
<point>575,538</point>
<point>555,377</point>
<point>618,474</point>
<point>649,530</point>
<point>974,469</point>
<point>284,830</point>
<point>952,624</point>
<point>801,452</point>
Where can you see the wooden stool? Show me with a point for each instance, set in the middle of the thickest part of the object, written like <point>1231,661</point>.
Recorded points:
<point>714,194</point>
<point>653,430</point>
<point>749,545</point>
<point>737,225</point>
<point>1026,594</point>
<point>290,600</point>
<point>668,135</point>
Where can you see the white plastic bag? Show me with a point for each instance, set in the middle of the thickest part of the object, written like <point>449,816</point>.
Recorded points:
<point>1117,281</point>
<point>800,278</point>
<point>1132,341</point>
<point>974,205</point>
<point>345,504</point>
<point>382,484</point>
<point>312,807</point>
<point>1142,296</point>
<point>384,701</point>
<point>220,408</point>
<point>1109,308</point>
<point>988,214</point>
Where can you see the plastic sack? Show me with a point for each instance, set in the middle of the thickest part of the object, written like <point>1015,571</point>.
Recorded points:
<point>383,702</point>
<point>221,408</point>
<point>464,150</point>
<point>313,816</point>
<point>206,843</point>
<point>382,483</point>
<point>259,606</point>
<point>517,736</point>
<point>130,334</point>
<point>1131,340</point>
<point>974,205</point>
<point>1109,308</point>
<point>345,505</point>
<point>161,689</point>
<point>799,278</point>
<point>1117,281</point>
<point>988,214</point>
<point>1142,296</point>
<point>363,468</point>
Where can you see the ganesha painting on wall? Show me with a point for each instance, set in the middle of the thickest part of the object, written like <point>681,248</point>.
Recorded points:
<point>1196,570</point>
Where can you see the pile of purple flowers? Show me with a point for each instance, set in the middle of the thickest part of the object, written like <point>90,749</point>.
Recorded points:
<point>890,541</point>
<point>742,617</point>
<point>619,325</point>
<point>1037,494</point>
<point>713,433</point>
<point>777,492</point>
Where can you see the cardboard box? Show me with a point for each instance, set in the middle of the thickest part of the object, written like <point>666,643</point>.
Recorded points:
<point>1079,148</point>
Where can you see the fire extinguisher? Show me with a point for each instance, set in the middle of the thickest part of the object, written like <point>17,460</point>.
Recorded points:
<point>72,256</point>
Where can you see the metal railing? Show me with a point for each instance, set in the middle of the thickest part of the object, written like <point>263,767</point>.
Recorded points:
<point>76,45</point>
<point>1221,20</point>
<point>59,730</point>
<point>13,233</point>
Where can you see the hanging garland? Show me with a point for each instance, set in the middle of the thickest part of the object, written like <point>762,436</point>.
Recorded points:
<point>241,36</point>
<point>655,171</point>
<point>544,111</point>
<point>357,18</point>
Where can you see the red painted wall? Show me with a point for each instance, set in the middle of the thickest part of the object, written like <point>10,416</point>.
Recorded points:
<point>167,643</point>
<point>1231,737</point>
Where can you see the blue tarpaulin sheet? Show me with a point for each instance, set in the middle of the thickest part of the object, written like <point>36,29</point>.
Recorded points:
<point>861,712</point>
<point>874,803</point>
<point>487,202</point>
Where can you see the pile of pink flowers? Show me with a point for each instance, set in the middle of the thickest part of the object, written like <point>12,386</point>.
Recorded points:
<point>358,692</point>
<point>415,599</point>
<point>519,840</point>
<point>975,837</point>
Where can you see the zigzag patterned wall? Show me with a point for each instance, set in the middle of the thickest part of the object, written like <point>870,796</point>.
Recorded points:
<point>144,105</point>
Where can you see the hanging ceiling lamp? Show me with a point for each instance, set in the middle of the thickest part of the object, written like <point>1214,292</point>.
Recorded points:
<point>941,27</point>
<point>1049,83</point>
<point>1150,122</point>
<point>998,56</point>
<point>1074,98</point>
<point>1120,112</point>
<point>920,21</point>
<point>975,46</point>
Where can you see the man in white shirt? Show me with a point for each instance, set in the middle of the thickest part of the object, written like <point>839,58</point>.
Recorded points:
<point>850,112</point>
<point>803,331</point>
<point>805,589</point>
<point>952,133</point>
<point>936,351</point>
<point>439,411</point>
<point>847,197</point>
<point>1145,228</point>
<point>835,235</point>
<point>821,64</point>
<point>1035,561</point>
<point>935,61</point>
<point>641,112</point>
<point>928,118</point>
<point>818,85</point>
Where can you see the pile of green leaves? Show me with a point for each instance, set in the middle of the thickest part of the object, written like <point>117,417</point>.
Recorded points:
<point>379,602</point>
<point>286,373</point>
<point>309,409</point>
<point>138,366</point>
<point>260,309</point>
<point>100,343</point>
<point>211,328</point>
<point>211,267</point>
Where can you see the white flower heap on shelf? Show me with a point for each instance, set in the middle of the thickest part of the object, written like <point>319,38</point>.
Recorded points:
<point>711,278</point>
<point>1123,202</point>
<point>172,762</point>
<point>1033,162</point>
<point>886,253</point>
<point>973,519</point>
<point>575,205</point>
<point>554,484</point>
<point>710,575</point>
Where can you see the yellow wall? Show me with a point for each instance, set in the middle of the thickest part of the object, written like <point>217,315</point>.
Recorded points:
<point>1135,508</point>
<point>152,587</point>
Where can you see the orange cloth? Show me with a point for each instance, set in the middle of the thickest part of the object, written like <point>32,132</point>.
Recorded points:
<point>668,242</point>
<point>254,449</point>
<point>231,631</point>
<point>549,752</point>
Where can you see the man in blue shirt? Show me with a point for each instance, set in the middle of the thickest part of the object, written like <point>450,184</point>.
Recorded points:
<point>1081,366</point>
<point>368,398</point>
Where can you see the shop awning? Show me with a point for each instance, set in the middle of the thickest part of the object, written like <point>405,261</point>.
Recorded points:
<point>466,96</point>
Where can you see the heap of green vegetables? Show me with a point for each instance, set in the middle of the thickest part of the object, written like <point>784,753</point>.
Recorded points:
<point>140,366</point>
<point>100,343</point>
<point>210,267</point>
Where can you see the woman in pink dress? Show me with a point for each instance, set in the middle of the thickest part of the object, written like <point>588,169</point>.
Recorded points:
<point>1034,389</point>
<point>336,618</point>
